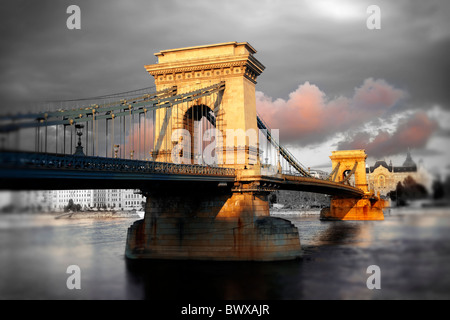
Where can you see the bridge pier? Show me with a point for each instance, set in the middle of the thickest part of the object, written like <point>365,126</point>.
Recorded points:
<point>350,165</point>
<point>211,223</point>
<point>365,208</point>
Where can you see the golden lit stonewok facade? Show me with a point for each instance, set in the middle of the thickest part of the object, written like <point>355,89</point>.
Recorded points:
<point>383,177</point>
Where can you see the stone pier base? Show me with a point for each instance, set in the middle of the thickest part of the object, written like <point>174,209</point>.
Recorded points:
<point>211,225</point>
<point>354,209</point>
<point>233,239</point>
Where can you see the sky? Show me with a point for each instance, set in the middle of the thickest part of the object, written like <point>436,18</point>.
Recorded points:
<point>330,82</point>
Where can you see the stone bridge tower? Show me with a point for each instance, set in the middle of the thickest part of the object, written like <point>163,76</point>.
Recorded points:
<point>350,166</point>
<point>210,220</point>
<point>350,162</point>
<point>198,67</point>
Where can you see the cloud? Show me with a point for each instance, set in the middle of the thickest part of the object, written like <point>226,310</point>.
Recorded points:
<point>139,139</point>
<point>308,117</point>
<point>411,133</point>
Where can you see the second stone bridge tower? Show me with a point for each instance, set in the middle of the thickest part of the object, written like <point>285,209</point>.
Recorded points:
<point>349,166</point>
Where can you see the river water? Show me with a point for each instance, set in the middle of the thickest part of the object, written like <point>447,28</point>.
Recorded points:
<point>411,248</point>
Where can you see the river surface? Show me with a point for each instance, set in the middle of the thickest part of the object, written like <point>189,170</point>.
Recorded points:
<point>411,248</point>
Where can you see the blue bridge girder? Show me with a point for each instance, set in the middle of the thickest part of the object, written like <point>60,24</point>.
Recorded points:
<point>121,108</point>
<point>141,104</point>
<point>46,171</point>
<point>41,171</point>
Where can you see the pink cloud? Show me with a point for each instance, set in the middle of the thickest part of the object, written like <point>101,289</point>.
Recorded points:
<point>137,137</point>
<point>309,117</point>
<point>413,132</point>
<point>376,95</point>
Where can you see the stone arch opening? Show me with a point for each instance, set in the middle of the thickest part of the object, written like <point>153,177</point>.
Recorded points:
<point>351,180</point>
<point>200,123</point>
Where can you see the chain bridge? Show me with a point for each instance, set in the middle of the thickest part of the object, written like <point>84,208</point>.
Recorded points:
<point>195,147</point>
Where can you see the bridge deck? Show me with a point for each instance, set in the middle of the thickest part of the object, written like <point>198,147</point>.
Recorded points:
<point>43,171</point>
<point>34,171</point>
<point>307,184</point>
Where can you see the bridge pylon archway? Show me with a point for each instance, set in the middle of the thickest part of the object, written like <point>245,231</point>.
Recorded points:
<point>234,108</point>
<point>350,165</point>
<point>198,120</point>
<point>225,221</point>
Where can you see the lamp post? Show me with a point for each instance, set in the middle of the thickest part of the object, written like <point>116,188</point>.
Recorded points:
<point>116,150</point>
<point>79,147</point>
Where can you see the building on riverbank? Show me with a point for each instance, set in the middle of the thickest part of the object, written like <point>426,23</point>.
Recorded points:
<point>58,200</point>
<point>383,177</point>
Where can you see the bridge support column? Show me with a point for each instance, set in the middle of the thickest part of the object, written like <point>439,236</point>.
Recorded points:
<point>211,224</point>
<point>366,208</point>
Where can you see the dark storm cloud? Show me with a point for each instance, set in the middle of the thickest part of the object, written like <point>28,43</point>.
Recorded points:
<point>411,51</point>
<point>310,117</point>
<point>411,133</point>
<point>297,41</point>
<point>42,60</point>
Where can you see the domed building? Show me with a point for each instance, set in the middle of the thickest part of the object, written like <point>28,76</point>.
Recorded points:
<point>383,177</point>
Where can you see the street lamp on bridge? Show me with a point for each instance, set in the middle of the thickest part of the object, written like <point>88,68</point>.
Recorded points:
<point>116,150</point>
<point>79,147</point>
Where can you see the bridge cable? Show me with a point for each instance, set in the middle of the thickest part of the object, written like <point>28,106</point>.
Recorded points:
<point>333,174</point>
<point>282,151</point>
<point>145,133</point>
<point>347,178</point>
<point>106,138</point>
<point>112,139</point>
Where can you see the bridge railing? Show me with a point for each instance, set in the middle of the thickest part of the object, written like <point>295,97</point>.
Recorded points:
<point>72,162</point>
<point>322,182</point>
<point>281,150</point>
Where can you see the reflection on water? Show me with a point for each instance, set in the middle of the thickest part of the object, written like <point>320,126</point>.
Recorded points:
<point>411,247</point>
<point>211,280</point>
